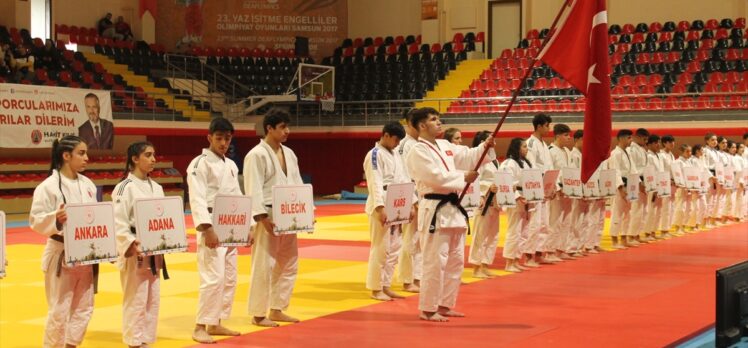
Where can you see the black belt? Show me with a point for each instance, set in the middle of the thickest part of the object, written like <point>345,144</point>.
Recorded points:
<point>487,203</point>
<point>625,180</point>
<point>210,210</point>
<point>94,268</point>
<point>443,199</point>
<point>154,270</point>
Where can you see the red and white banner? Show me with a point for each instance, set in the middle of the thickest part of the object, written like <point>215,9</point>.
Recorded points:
<point>293,209</point>
<point>398,203</point>
<point>160,225</point>
<point>232,219</point>
<point>34,116</point>
<point>89,234</point>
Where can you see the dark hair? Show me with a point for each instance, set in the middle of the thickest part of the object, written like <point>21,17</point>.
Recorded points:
<point>406,114</point>
<point>91,95</point>
<point>667,139</point>
<point>449,134</point>
<point>578,134</point>
<point>274,117</point>
<point>641,132</point>
<point>220,124</point>
<point>59,147</point>
<point>134,150</point>
<point>683,147</point>
<point>730,143</point>
<point>719,140</point>
<point>417,116</point>
<point>624,133</point>
<point>513,152</point>
<point>480,137</point>
<point>709,135</point>
<point>394,129</point>
<point>696,148</point>
<point>539,120</point>
<point>653,138</point>
<point>561,128</point>
<point>745,135</point>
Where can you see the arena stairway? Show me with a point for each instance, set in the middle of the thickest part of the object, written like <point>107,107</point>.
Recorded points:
<point>457,80</point>
<point>132,79</point>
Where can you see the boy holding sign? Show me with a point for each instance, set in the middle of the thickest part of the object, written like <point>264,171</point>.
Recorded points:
<point>683,197</point>
<point>383,167</point>
<point>654,200</point>
<point>441,171</point>
<point>667,158</point>
<point>275,258</point>
<point>561,238</point>
<point>208,175</point>
<point>411,260</point>
<point>139,274</point>
<point>67,320</point>
<point>620,160</point>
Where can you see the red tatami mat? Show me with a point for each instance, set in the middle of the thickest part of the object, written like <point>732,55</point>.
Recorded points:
<point>642,297</point>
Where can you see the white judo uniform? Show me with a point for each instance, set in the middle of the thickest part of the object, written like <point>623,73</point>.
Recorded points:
<point>486,237</point>
<point>596,214</point>
<point>620,218</point>
<point>712,159</point>
<point>275,258</point>
<point>666,218</point>
<point>562,237</point>
<point>382,168</point>
<point>411,257</point>
<point>207,176</point>
<point>639,207</point>
<point>700,204</point>
<point>540,228</point>
<point>654,200</point>
<point>438,169</point>
<point>518,218</point>
<point>69,290</point>
<point>738,191</point>
<point>723,193</point>
<point>140,280</point>
<point>683,202</point>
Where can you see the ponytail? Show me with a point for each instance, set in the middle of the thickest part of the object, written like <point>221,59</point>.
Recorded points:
<point>59,147</point>
<point>134,150</point>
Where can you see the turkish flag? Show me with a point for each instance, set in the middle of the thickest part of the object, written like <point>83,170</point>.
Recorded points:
<point>578,51</point>
<point>148,5</point>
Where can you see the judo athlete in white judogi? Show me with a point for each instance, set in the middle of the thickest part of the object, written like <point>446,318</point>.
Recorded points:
<point>383,167</point>
<point>562,239</point>
<point>540,158</point>
<point>69,290</point>
<point>139,274</point>
<point>486,217</point>
<point>518,217</point>
<point>740,164</point>
<point>712,159</point>
<point>582,219</point>
<point>667,158</point>
<point>441,171</point>
<point>638,153</point>
<point>683,204</point>
<point>723,192</point>
<point>411,258</point>
<point>699,220</point>
<point>208,175</point>
<point>654,201</point>
<point>275,258</point>
<point>620,218</point>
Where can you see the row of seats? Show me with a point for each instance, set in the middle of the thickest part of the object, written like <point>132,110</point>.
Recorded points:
<point>657,27</point>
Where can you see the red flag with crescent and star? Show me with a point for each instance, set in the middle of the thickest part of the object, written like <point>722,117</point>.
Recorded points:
<point>578,51</point>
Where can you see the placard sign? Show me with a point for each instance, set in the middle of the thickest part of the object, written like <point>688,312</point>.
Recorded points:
<point>663,184</point>
<point>571,178</point>
<point>632,187</point>
<point>677,170</point>
<point>160,225</point>
<point>89,233</point>
<point>608,187</point>
<point>232,219</point>
<point>532,185</point>
<point>505,190</point>
<point>719,172</point>
<point>293,209</point>
<point>729,177</point>
<point>692,177</point>
<point>650,178</point>
<point>398,203</point>
<point>549,181</point>
<point>471,200</point>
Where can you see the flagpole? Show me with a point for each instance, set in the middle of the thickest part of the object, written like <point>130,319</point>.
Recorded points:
<point>516,92</point>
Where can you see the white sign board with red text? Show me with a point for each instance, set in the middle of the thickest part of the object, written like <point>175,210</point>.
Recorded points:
<point>692,176</point>
<point>160,225</point>
<point>608,183</point>
<point>677,170</point>
<point>632,187</point>
<point>571,179</point>
<point>549,181</point>
<point>650,178</point>
<point>398,203</point>
<point>532,185</point>
<point>471,200</point>
<point>89,233</point>
<point>729,177</point>
<point>663,184</point>
<point>293,209</point>
<point>505,190</point>
<point>232,219</point>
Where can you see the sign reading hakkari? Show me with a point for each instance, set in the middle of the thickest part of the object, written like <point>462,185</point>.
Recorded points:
<point>608,187</point>
<point>532,185</point>
<point>505,190</point>
<point>89,233</point>
<point>632,187</point>
<point>571,180</point>
<point>549,181</point>
<point>663,184</point>
<point>293,209</point>
<point>34,116</point>
<point>232,219</point>
<point>692,178</point>
<point>2,244</point>
<point>160,225</point>
<point>398,203</point>
<point>471,200</point>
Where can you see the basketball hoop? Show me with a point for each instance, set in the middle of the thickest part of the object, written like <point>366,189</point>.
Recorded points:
<point>327,104</point>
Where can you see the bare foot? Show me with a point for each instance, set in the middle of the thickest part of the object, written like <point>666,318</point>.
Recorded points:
<point>392,294</point>
<point>411,288</point>
<point>478,273</point>
<point>432,316</point>
<point>446,312</point>
<point>200,335</point>
<point>276,315</point>
<point>513,268</point>
<point>221,330</point>
<point>264,322</point>
<point>531,264</point>
<point>486,271</point>
<point>379,295</point>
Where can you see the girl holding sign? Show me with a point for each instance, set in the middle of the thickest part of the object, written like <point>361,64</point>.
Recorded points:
<point>517,233</point>
<point>698,160</point>
<point>70,290</point>
<point>483,247</point>
<point>138,273</point>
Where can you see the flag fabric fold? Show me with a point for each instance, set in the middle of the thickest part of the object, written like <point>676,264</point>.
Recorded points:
<point>578,51</point>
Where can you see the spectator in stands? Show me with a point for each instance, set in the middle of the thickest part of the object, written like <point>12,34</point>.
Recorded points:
<point>453,136</point>
<point>47,57</point>
<point>106,28</point>
<point>97,132</point>
<point>5,58</point>
<point>22,64</point>
<point>122,28</point>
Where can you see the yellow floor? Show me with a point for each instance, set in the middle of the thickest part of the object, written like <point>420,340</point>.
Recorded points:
<point>323,287</point>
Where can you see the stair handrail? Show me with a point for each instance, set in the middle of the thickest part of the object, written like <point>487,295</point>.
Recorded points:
<point>205,70</point>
